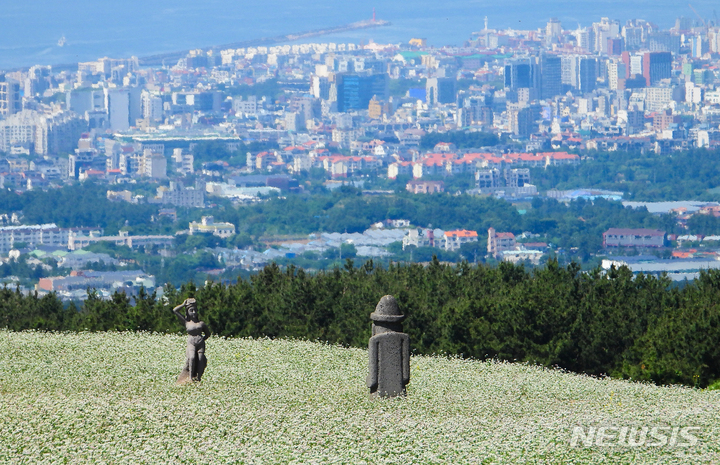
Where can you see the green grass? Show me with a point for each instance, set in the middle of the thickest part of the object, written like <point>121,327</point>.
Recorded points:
<point>112,398</point>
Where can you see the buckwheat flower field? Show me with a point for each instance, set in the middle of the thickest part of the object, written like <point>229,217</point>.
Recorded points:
<point>112,398</point>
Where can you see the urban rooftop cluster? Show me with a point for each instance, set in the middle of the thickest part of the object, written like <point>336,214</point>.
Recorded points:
<point>356,112</point>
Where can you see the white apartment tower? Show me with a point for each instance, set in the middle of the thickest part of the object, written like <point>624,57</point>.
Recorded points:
<point>10,101</point>
<point>117,105</point>
<point>152,106</point>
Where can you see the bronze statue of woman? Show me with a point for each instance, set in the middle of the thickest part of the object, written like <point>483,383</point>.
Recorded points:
<point>198,332</point>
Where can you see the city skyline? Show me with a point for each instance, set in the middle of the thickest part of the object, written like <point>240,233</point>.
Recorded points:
<point>34,35</point>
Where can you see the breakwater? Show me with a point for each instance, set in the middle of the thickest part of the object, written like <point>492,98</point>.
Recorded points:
<point>168,58</point>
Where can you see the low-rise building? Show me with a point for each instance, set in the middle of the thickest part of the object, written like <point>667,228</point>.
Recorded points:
<point>620,237</point>
<point>419,238</point>
<point>79,241</point>
<point>208,225</point>
<point>452,240</point>
<point>99,280</point>
<point>425,187</point>
<point>38,234</point>
<point>522,255</point>
<point>404,168</point>
<point>180,197</point>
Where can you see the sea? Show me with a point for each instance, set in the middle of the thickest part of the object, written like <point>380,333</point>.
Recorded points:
<point>47,32</point>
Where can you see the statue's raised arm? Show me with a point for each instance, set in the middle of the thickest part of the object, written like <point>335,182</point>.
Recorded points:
<point>180,315</point>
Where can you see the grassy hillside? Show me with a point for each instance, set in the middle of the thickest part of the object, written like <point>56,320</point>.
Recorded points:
<point>111,397</point>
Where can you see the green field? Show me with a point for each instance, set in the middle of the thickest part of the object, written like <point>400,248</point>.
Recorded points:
<point>112,398</point>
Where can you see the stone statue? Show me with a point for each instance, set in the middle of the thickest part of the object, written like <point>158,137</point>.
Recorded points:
<point>388,351</point>
<point>198,332</point>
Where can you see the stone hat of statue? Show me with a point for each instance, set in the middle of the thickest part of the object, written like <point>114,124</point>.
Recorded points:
<point>387,310</point>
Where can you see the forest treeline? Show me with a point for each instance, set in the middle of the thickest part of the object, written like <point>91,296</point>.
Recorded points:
<point>687,175</point>
<point>461,139</point>
<point>578,225</point>
<point>613,323</point>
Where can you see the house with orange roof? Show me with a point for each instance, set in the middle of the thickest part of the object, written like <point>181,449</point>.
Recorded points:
<point>562,158</point>
<point>477,156</point>
<point>495,162</point>
<point>338,168</point>
<point>713,210</point>
<point>452,240</point>
<point>319,152</point>
<point>295,149</point>
<point>532,160</point>
<point>371,163</point>
<point>684,254</point>
<point>264,159</point>
<point>277,166</point>
<point>428,167</point>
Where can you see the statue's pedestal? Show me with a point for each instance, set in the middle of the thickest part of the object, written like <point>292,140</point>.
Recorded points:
<point>184,377</point>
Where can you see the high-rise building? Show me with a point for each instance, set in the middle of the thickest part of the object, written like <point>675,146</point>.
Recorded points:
<point>633,37</point>
<point>656,66</point>
<point>604,30</point>
<point>294,121</point>
<point>553,31</point>
<point>134,104</point>
<point>664,42</point>
<point>587,74</point>
<point>10,101</point>
<point>84,100</point>
<point>439,90</point>
<point>354,91</point>
<point>683,24</point>
<point>522,74</point>
<point>550,76</point>
<point>616,70</point>
<point>521,119</point>
<point>568,70</point>
<point>152,106</point>
<point>585,38</point>
<point>320,87</point>
<point>117,106</point>
<point>44,134</point>
<point>474,110</point>
<point>699,46</point>
<point>614,47</point>
<point>38,80</point>
<point>625,58</point>
<point>657,98</point>
<point>580,72</point>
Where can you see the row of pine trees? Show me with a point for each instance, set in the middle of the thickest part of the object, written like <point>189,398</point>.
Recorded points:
<point>601,323</point>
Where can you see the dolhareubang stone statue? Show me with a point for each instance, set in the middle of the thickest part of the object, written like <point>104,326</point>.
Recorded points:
<point>388,351</point>
<point>198,332</point>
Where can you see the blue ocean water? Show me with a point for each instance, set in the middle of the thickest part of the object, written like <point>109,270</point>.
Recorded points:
<point>30,29</point>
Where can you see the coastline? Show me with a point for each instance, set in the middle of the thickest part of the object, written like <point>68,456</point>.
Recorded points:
<point>162,59</point>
